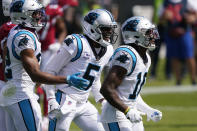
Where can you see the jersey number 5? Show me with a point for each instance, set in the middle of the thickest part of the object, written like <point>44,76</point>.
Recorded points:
<point>140,82</point>
<point>88,76</point>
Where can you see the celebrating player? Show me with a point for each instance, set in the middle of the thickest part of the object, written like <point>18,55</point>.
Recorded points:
<point>129,66</point>
<point>88,54</point>
<point>4,30</point>
<point>22,69</point>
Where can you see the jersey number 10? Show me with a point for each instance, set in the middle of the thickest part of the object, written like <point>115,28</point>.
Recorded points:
<point>140,82</point>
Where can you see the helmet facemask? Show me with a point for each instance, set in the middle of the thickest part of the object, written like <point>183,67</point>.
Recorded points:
<point>151,38</point>
<point>39,19</point>
<point>28,13</point>
<point>140,31</point>
<point>107,34</point>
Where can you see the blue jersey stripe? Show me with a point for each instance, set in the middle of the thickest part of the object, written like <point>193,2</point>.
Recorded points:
<point>114,126</point>
<point>80,48</point>
<point>28,115</point>
<point>132,55</point>
<point>18,34</point>
<point>52,123</point>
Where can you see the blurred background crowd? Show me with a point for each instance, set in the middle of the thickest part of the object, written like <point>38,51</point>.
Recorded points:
<point>175,19</point>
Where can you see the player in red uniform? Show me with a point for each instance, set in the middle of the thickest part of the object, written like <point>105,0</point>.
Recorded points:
<point>53,33</point>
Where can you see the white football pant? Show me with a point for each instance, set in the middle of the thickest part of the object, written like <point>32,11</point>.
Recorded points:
<point>23,116</point>
<point>85,115</point>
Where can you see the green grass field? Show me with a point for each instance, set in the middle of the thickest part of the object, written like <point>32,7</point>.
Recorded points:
<point>179,112</point>
<point>179,109</point>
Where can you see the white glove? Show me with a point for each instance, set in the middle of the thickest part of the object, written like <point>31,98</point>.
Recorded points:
<point>53,109</point>
<point>154,115</point>
<point>134,115</point>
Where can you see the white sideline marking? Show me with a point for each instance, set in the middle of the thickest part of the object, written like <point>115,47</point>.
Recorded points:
<point>163,90</point>
<point>172,89</point>
<point>177,108</point>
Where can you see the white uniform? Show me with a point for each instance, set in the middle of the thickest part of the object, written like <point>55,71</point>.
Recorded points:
<point>2,112</point>
<point>17,97</point>
<point>128,58</point>
<point>76,55</point>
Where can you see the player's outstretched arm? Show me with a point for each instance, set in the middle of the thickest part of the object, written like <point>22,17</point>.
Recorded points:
<point>31,65</point>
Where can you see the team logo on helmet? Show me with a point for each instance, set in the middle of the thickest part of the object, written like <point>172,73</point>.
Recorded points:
<point>131,25</point>
<point>17,6</point>
<point>91,17</point>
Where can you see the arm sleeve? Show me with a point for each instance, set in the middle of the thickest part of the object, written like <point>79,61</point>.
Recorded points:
<point>63,57</point>
<point>96,91</point>
<point>142,106</point>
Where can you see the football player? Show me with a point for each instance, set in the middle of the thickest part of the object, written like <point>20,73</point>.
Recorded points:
<point>88,54</point>
<point>22,69</point>
<point>4,30</point>
<point>128,71</point>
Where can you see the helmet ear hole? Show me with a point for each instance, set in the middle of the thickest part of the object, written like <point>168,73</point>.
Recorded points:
<point>137,37</point>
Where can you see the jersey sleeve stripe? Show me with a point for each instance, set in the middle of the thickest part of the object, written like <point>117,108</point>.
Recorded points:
<point>80,48</point>
<point>18,34</point>
<point>134,58</point>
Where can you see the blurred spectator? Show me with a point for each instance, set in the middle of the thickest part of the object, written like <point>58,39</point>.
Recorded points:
<point>193,7</point>
<point>89,5</point>
<point>72,18</point>
<point>112,6</point>
<point>53,34</point>
<point>177,19</point>
<point>155,53</point>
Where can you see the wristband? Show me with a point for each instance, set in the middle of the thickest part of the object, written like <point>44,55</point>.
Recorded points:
<point>127,110</point>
